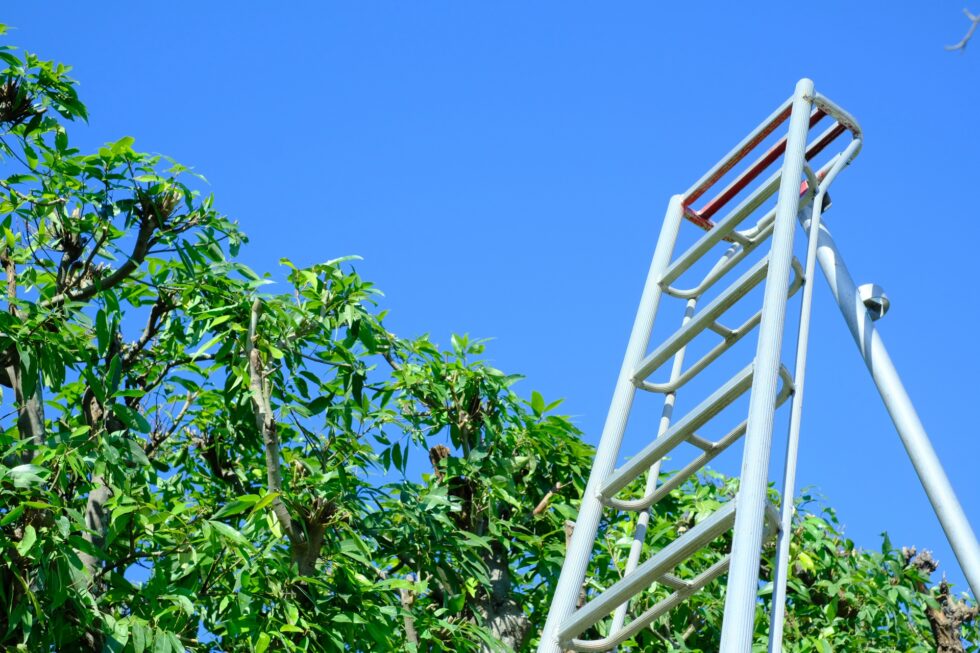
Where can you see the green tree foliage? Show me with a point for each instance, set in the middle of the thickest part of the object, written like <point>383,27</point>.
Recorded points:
<point>191,461</point>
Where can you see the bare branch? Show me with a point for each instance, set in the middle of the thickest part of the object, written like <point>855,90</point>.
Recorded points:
<point>543,504</point>
<point>29,198</point>
<point>974,22</point>
<point>159,437</point>
<point>266,423</point>
<point>30,409</point>
<point>407,597</point>
<point>160,308</point>
<point>144,240</point>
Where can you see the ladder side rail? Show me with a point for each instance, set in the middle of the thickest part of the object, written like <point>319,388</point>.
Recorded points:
<point>579,551</point>
<point>927,466</point>
<point>743,577</point>
<point>653,476</point>
<point>781,571</point>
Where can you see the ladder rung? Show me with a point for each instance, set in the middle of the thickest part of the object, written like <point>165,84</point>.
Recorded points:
<point>722,229</point>
<point>693,467</point>
<point>729,341</point>
<point>725,395</point>
<point>640,622</point>
<point>673,582</point>
<point>665,560</point>
<point>701,443</point>
<point>684,588</point>
<point>702,320</point>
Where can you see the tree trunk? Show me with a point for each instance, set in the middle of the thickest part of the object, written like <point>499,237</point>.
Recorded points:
<point>947,620</point>
<point>503,616</point>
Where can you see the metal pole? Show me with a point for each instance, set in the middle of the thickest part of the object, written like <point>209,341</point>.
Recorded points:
<point>792,448</point>
<point>580,548</point>
<point>781,572</point>
<point>743,578</point>
<point>930,471</point>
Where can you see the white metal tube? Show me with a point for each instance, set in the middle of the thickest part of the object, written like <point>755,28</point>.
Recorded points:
<point>781,572</point>
<point>743,577</point>
<point>580,548</point>
<point>913,435</point>
<point>792,446</point>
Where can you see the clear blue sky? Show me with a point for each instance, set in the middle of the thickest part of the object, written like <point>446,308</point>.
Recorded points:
<point>503,170</point>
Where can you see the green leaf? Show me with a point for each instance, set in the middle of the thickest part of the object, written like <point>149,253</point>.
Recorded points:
<point>123,145</point>
<point>29,371</point>
<point>26,542</point>
<point>175,644</point>
<point>181,601</point>
<point>228,532</point>
<point>262,643</point>
<point>805,561</point>
<point>98,389</point>
<point>396,455</point>
<point>26,476</point>
<point>141,636</point>
<point>206,346</point>
<point>131,418</point>
<point>264,501</point>
<point>102,332</point>
<point>14,513</point>
<point>161,643</point>
<point>238,505</point>
<point>537,403</point>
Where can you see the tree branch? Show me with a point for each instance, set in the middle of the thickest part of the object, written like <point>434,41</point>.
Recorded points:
<point>265,422</point>
<point>159,437</point>
<point>160,308</point>
<point>30,410</point>
<point>974,22</point>
<point>144,240</point>
<point>543,504</point>
<point>946,620</point>
<point>30,199</point>
<point>407,597</point>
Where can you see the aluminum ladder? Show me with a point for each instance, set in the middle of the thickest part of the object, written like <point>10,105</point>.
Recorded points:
<point>800,197</point>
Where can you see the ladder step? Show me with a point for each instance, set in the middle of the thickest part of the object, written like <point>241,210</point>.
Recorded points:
<point>664,561</point>
<point>701,443</point>
<point>725,395</point>
<point>649,572</point>
<point>642,621</point>
<point>673,582</point>
<point>720,231</point>
<point>702,320</point>
<point>716,449</point>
